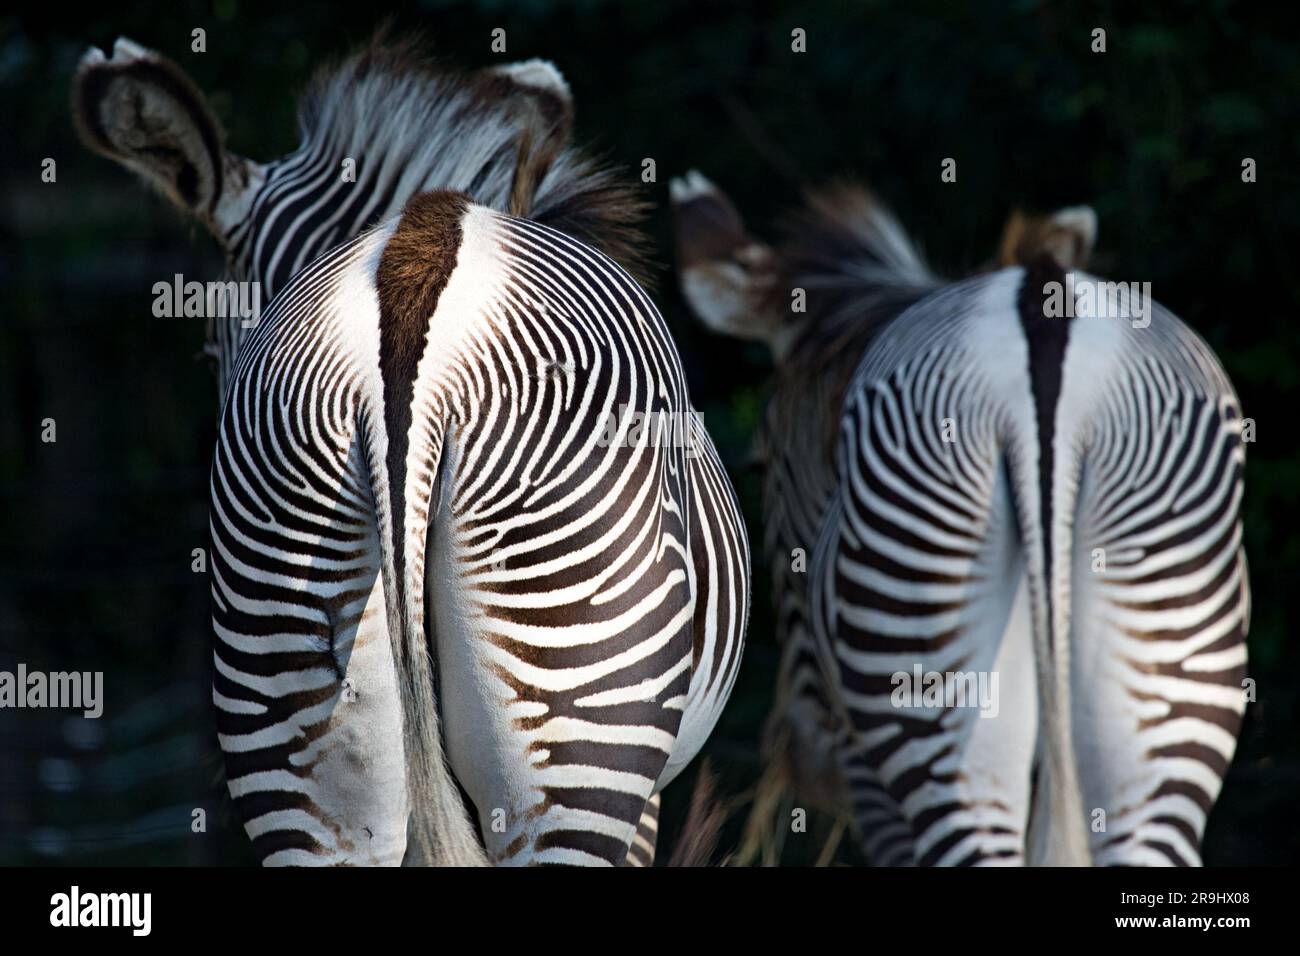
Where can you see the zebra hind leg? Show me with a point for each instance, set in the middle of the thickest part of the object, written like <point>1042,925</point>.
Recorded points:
<point>642,850</point>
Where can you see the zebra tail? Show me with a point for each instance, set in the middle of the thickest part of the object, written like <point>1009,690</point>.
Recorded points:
<point>698,841</point>
<point>1057,831</point>
<point>439,831</point>
<point>1057,835</point>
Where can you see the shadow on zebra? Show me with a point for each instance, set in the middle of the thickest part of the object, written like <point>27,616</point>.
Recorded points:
<point>469,606</point>
<point>989,484</point>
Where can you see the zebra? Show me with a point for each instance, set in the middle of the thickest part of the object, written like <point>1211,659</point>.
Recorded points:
<point>463,612</point>
<point>983,488</point>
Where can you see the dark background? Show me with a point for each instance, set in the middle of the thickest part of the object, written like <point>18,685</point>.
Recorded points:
<point>96,530</point>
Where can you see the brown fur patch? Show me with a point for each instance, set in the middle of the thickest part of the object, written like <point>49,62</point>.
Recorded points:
<point>413,270</point>
<point>539,144</point>
<point>1025,238</point>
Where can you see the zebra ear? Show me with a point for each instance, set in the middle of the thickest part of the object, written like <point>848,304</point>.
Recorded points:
<point>727,276</point>
<point>1067,235</point>
<point>537,78</point>
<point>536,95</point>
<point>141,110</point>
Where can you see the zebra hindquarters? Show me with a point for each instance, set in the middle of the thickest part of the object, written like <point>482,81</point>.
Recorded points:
<point>921,608</point>
<point>304,685</point>
<point>1160,600</point>
<point>720,586</point>
<point>564,652</point>
<point>642,851</point>
<point>560,576</point>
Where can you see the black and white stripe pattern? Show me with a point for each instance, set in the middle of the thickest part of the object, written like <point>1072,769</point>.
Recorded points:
<point>978,554</point>
<point>1051,500</point>
<point>642,851</point>
<point>435,563</point>
<point>395,127</point>
<point>586,601</point>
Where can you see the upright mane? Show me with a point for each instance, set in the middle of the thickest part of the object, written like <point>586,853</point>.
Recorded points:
<point>450,129</point>
<point>859,270</point>
<point>858,266</point>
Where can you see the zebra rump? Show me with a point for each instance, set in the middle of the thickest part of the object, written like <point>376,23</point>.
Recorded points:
<point>438,546</point>
<point>1003,485</point>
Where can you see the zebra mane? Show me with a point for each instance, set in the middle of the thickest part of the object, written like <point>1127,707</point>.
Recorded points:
<point>856,263</point>
<point>449,129</point>
<point>859,269</point>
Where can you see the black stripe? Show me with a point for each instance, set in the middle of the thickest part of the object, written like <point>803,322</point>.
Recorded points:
<point>413,270</point>
<point>1047,337</point>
